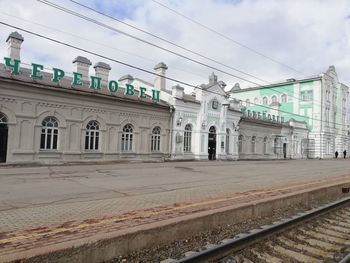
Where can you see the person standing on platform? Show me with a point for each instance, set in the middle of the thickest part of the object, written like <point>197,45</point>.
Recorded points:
<point>344,154</point>
<point>336,154</point>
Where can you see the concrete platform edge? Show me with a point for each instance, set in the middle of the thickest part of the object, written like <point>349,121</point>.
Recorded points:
<point>102,247</point>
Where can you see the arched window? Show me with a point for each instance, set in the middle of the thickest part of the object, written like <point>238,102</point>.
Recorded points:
<point>247,103</point>
<point>284,98</point>
<point>187,138</point>
<point>240,143</point>
<point>155,139</point>
<point>92,136</point>
<point>273,98</point>
<point>265,145</point>
<point>227,140</point>
<point>256,101</point>
<point>253,144</point>
<point>3,118</point>
<point>127,138</point>
<point>49,134</point>
<point>212,130</point>
<point>265,100</point>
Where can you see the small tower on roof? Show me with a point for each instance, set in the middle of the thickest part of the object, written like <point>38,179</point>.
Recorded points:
<point>14,42</point>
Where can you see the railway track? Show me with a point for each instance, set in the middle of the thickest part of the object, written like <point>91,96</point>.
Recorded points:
<point>319,235</point>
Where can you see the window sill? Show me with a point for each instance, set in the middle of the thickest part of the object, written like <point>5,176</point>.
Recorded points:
<point>49,154</point>
<point>49,151</point>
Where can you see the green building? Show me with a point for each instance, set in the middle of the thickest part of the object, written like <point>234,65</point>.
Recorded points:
<point>320,102</point>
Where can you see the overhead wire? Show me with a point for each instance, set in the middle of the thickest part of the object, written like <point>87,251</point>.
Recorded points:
<point>230,39</point>
<point>92,41</point>
<point>165,40</point>
<point>147,71</point>
<point>66,10</point>
<point>226,37</point>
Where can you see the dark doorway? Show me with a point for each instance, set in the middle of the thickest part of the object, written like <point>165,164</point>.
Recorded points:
<point>3,142</point>
<point>284,150</point>
<point>212,143</point>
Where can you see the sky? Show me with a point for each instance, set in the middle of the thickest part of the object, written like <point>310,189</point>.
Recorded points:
<point>307,36</point>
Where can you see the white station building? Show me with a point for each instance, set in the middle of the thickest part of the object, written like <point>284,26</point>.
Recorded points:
<point>48,117</point>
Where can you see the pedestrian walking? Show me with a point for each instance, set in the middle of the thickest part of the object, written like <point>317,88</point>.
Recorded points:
<point>344,154</point>
<point>336,154</point>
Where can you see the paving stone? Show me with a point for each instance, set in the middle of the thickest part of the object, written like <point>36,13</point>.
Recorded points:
<point>100,196</point>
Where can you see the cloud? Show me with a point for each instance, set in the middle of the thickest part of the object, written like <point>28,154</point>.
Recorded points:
<point>305,35</point>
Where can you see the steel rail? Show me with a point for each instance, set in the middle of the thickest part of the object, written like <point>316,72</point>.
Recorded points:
<point>225,249</point>
<point>346,259</point>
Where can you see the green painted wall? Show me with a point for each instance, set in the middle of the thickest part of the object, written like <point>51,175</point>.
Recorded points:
<point>287,108</point>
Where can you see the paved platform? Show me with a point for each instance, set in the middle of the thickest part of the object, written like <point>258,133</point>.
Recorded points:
<point>86,200</point>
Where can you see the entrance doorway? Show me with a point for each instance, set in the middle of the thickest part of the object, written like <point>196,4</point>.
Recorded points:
<point>3,137</point>
<point>212,143</point>
<point>284,150</point>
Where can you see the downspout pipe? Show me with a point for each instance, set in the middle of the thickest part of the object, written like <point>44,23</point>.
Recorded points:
<point>322,108</point>
<point>172,113</point>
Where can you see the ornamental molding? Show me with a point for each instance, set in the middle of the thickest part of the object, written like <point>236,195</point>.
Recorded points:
<point>94,110</point>
<point>129,115</point>
<point>6,99</point>
<point>51,105</point>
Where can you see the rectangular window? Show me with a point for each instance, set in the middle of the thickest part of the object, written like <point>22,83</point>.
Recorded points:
<point>127,142</point>
<point>310,95</point>
<point>327,117</point>
<point>306,95</point>
<point>187,141</point>
<point>42,139</point>
<point>55,139</point>
<point>96,141</point>
<point>155,143</point>
<point>48,141</point>
<point>87,140</point>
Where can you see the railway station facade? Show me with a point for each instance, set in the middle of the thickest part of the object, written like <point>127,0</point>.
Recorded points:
<point>320,101</point>
<point>49,117</point>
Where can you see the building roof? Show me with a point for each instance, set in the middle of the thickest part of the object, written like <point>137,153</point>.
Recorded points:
<point>15,35</point>
<point>65,85</point>
<point>289,81</point>
<point>160,65</point>
<point>102,65</point>
<point>83,60</point>
<point>262,122</point>
<point>233,109</point>
<point>144,82</point>
<point>189,99</point>
<point>126,77</point>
